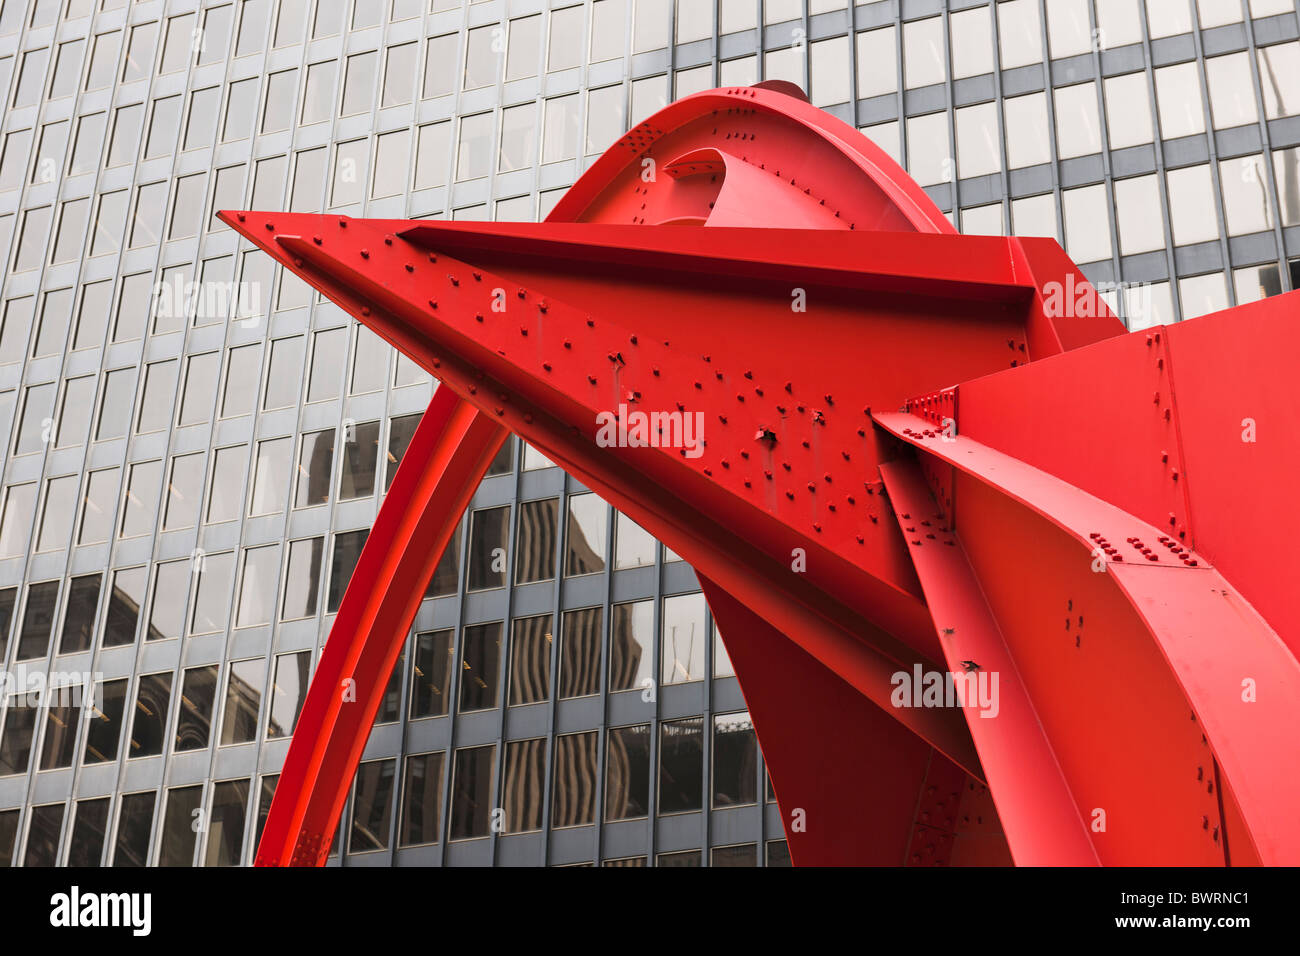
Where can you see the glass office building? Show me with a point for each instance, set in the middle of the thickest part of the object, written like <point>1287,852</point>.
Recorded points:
<point>197,445</point>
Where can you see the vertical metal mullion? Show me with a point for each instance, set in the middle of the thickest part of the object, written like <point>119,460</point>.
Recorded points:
<point>1269,172</point>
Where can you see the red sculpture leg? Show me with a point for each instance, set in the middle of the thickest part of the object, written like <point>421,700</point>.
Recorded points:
<point>448,455</point>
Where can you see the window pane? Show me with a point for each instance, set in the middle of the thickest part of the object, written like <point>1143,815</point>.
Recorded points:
<point>487,551</point>
<point>735,761</point>
<point>288,692</point>
<point>43,835</point>
<point>212,599</point>
<point>471,796</point>
<point>580,653</point>
<point>372,806</point>
<point>359,460</point>
<point>683,639</point>
<point>89,829</point>
<point>523,786</point>
<point>258,589</point>
<point>573,801</point>
<point>16,742</point>
<point>302,579</point>
<point>134,824</point>
<point>421,799</point>
<point>627,773</point>
<point>178,834</point>
<point>171,589</point>
<point>149,718</point>
<point>198,696</point>
<point>243,701</point>
<point>225,841</point>
<point>38,620</point>
<point>431,674</point>
<point>530,660</point>
<point>588,523</point>
<point>681,765</point>
<point>104,728</point>
<point>631,647</point>
<point>315,464</point>
<point>80,614</point>
<point>347,551</point>
<point>480,667</point>
<point>124,603</point>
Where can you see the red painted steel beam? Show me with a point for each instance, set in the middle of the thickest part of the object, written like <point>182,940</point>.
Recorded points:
<point>1054,558</point>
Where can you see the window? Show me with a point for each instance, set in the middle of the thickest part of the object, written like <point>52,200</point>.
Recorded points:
<point>271,476</point>
<point>480,667</point>
<point>1279,73</point>
<point>89,829</point>
<point>518,137</point>
<point>225,841</point>
<point>19,726</point>
<point>285,373</point>
<point>171,589</point>
<point>745,854</point>
<point>58,513</point>
<point>399,75</point>
<point>1069,31</point>
<point>1128,113</point>
<point>471,797</point>
<point>178,836</point>
<point>163,127</point>
<point>1166,18</point>
<point>243,702</point>
<point>1191,205</point>
<point>103,60</point>
<point>681,765</point>
<point>212,598</point>
<point>38,621</point>
<point>735,761</point>
<point>277,107</point>
<point>1137,208</point>
<point>1245,196</point>
<point>302,578</point>
<point>31,242</point>
<point>474,155</point>
<point>329,355</point>
<point>928,154</point>
<point>684,638</point>
<point>159,394</point>
<point>200,388</point>
<point>88,143</point>
<point>1020,40</point>
<point>359,461</point>
<point>608,30</point>
<point>149,723</point>
<point>530,660</point>
<point>923,56</point>
<point>141,507</point>
<point>564,49</point>
<point>1178,96</point>
<point>198,697</point>
<point>80,614</point>
<point>124,602</point>
<point>258,588</point>
<point>20,502</point>
<point>488,541</point>
<point>604,118</point>
<point>431,674</point>
<point>288,693</point>
<point>372,806</point>
<point>46,822</point>
<point>315,465</point>
<point>1087,234</point>
<point>421,800</point>
<point>580,653</point>
<point>1201,295</point>
<point>978,147</point>
<point>535,547</point>
<point>440,65</point>
<point>347,551</point>
<point>523,787</point>
<point>585,546</point>
<point>562,123</point>
<point>1232,97</point>
<point>1078,131</point>
<point>134,824</point>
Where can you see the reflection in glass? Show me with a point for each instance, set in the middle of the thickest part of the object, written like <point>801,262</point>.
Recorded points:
<point>523,786</point>
<point>149,720</point>
<point>302,579</point>
<point>288,692</point>
<point>573,801</point>
<point>105,724</point>
<point>225,841</point>
<point>347,551</point>
<point>89,827</point>
<point>421,800</point>
<point>588,523</point>
<point>471,795</point>
<point>43,835</point>
<point>735,761</point>
<point>627,773</point>
<point>681,765</point>
<point>480,667</point>
<point>178,833</point>
<point>134,821</point>
<point>198,695</point>
<point>580,653</point>
<point>488,540</point>
<point>372,806</point>
<point>431,675</point>
<point>535,553</point>
<point>530,660</point>
<point>243,701</point>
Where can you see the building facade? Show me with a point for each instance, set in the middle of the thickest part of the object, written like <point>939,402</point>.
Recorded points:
<point>197,445</point>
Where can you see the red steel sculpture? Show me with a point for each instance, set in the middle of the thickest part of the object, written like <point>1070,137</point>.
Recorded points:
<point>923,454</point>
